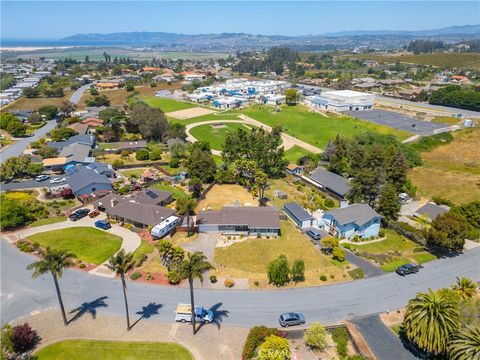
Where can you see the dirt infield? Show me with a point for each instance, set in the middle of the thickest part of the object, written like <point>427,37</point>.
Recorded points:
<point>190,113</point>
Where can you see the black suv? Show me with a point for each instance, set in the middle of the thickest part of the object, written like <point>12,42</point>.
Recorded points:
<point>408,269</point>
<point>77,215</point>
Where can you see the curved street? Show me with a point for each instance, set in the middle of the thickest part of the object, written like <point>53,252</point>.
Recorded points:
<point>21,295</point>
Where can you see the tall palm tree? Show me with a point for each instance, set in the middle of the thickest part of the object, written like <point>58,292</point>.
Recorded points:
<point>121,263</point>
<point>431,318</point>
<point>193,267</point>
<point>465,288</point>
<point>465,345</point>
<point>54,262</point>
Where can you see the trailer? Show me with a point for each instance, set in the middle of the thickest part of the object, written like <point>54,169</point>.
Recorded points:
<point>183,314</point>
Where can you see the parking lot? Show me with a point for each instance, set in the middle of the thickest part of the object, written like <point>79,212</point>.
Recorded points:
<point>397,121</point>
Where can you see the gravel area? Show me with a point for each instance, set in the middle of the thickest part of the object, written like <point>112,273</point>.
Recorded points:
<point>211,342</point>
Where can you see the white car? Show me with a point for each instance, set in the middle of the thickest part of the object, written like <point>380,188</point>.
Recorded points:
<point>57,180</point>
<point>42,177</point>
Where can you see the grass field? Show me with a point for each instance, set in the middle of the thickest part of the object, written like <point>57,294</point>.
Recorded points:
<point>226,195</point>
<point>88,244</point>
<point>113,350</point>
<point>216,135</point>
<point>313,127</point>
<point>455,60</point>
<point>47,221</point>
<point>394,242</point>
<point>249,259</point>
<point>455,168</point>
<point>145,248</point>
<point>168,105</point>
<point>295,153</point>
<point>24,103</point>
<point>177,193</point>
<point>134,172</point>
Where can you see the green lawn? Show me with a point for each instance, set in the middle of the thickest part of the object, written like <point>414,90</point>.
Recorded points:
<point>216,135</point>
<point>113,350</point>
<point>88,244</point>
<point>168,105</point>
<point>314,128</point>
<point>134,172</point>
<point>295,153</point>
<point>145,248</point>
<point>393,241</point>
<point>47,221</point>
<point>177,193</point>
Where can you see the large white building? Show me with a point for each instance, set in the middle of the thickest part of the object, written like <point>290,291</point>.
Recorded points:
<point>342,100</point>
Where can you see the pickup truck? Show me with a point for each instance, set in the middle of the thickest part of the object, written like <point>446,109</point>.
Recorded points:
<point>183,313</point>
<point>408,269</point>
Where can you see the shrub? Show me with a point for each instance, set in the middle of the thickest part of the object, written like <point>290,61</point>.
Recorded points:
<point>124,153</point>
<point>117,164</point>
<point>298,270</point>
<point>338,254</point>
<point>329,203</point>
<point>150,277</point>
<point>174,277</point>
<point>174,163</point>
<point>381,233</point>
<point>256,283</point>
<point>213,279</point>
<point>136,275</point>
<point>23,338</point>
<point>278,271</point>
<point>142,155</point>
<point>255,337</point>
<point>316,336</point>
<point>155,154</point>
<point>141,260</point>
<point>229,283</point>
<point>340,337</point>
<point>356,274</point>
<point>332,276</point>
<point>323,278</point>
<point>82,266</point>
<point>274,348</point>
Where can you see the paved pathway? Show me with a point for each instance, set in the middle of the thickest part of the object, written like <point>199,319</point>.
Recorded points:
<point>77,95</point>
<point>130,240</point>
<point>288,141</point>
<point>383,342</point>
<point>329,304</point>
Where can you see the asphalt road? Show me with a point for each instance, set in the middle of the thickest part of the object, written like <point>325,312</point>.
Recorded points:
<point>22,295</point>
<point>30,184</point>
<point>18,147</point>
<point>77,95</point>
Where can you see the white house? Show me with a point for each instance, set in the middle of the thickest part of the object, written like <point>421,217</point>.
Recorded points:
<point>342,100</point>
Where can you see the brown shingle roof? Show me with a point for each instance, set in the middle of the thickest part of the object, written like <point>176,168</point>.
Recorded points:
<point>253,217</point>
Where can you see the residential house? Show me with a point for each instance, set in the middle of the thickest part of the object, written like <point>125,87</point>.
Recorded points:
<point>73,154</point>
<point>93,122</point>
<point>84,181</point>
<point>86,139</point>
<point>294,169</point>
<point>102,168</point>
<point>240,221</point>
<point>331,182</point>
<point>353,220</point>
<point>430,211</point>
<point>132,145</point>
<point>299,215</point>
<point>79,128</point>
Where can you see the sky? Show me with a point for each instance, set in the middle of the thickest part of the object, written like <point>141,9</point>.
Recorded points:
<point>58,19</point>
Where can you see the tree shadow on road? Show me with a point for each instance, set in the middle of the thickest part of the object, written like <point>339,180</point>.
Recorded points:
<point>88,308</point>
<point>147,312</point>
<point>218,316</point>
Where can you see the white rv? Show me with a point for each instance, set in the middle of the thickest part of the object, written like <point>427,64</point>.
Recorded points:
<point>165,227</point>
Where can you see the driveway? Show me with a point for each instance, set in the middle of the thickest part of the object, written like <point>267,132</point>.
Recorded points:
<point>383,341</point>
<point>17,148</point>
<point>77,95</point>
<point>205,243</point>
<point>368,268</point>
<point>31,184</point>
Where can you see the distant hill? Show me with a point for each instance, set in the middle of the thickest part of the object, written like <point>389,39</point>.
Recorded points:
<point>451,30</point>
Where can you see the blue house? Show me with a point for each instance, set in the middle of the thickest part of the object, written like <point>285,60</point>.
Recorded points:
<point>350,221</point>
<point>84,181</point>
<point>299,215</point>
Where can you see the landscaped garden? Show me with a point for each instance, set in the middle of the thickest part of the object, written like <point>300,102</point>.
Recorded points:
<point>88,244</point>
<point>114,350</point>
<point>249,259</point>
<point>392,252</point>
<point>314,128</point>
<point>215,134</point>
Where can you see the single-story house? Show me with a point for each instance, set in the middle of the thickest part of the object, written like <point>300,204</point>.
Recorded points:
<point>79,128</point>
<point>299,215</point>
<point>132,145</point>
<point>73,154</point>
<point>294,169</point>
<point>331,182</point>
<point>93,122</point>
<point>86,139</point>
<point>240,221</point>
<point>352,220</point>
<point>430,211</point>
<point>102,168</point>
<point>85,181</point>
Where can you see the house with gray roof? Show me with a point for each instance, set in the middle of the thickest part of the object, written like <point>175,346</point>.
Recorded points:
<point>240,221</point>
<point>84,181</point>
<point>299,215</point>
<point>331,182</point>
<point>102,168</point>
<point>352,220</point>
<point>430,211</point>
<point>86,139</point>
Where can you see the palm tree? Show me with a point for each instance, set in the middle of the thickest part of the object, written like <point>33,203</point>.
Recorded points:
<point>121,263</point>
<point>54,262</point>
<point>430,320</point>
<point>465,288</point>
<point>193,267</point>
<point>465,345</point>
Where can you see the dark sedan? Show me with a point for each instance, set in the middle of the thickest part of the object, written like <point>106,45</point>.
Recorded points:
<point>408,269</point>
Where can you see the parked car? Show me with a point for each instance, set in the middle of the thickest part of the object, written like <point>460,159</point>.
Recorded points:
<point>57,180</point>
<point>93,213</point>
<point>103,224</point>
<point>408,269</point>
<point>183,313</point>
<point>290,319</point>
<point>77,215</point>
<point>42,177</point>
<point>314,234</point>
